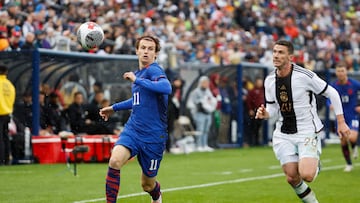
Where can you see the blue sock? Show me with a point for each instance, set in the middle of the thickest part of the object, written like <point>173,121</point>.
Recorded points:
<point>346,153</point>
<point>112,185</point>
<point>155,193</point>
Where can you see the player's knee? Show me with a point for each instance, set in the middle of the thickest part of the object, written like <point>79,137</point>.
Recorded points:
<point>147,187</point>
<point>292,180</point>
<point>308,177</point>
<point>115,162</point>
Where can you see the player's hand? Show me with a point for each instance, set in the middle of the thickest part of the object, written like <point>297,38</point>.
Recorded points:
<point>343,129</point>
<point>106,112</point>
<point>261,113</point>
<point>129,76</point>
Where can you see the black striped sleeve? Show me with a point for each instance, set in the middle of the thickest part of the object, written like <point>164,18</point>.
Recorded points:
<point>325,88</point>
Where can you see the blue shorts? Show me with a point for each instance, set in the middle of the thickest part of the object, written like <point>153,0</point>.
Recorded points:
<point>352,123</point>
<point>149,155</point>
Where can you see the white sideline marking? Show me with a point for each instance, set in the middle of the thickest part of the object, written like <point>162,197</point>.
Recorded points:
<point>326,160</point>
<point>226,173</point>
<point>274,167</point>
<point>246,170</point>
<point>240,180</point>
<point>16,172</point>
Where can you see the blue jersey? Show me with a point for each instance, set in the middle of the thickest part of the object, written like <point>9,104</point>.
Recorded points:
<point>148,119</point>
<point>349,98</point>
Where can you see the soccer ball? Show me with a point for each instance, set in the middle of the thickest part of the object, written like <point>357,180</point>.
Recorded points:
<point>90,35</point>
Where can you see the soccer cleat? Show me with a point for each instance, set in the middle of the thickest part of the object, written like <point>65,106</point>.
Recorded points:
<point>208,149</point>
<point>200,149</point>
<point>355,152</point>
<point>158,200</point>
<point>348,168</point>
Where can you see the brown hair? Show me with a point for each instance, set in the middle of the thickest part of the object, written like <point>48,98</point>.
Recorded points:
<point>341,64</point>
<point>3,69</point>
<point>78,93</point>
<point>148,38</point>
<point>286,43</point>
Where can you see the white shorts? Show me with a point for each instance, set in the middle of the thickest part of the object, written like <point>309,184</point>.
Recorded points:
<point>292,148</point>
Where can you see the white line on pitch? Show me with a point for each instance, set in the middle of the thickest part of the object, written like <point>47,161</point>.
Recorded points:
<point>246,170</point>
<point>240,180</point>
<point>274,167</point>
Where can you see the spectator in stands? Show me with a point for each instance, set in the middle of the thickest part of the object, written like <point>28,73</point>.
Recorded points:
<point>202,105</point>
<point>225,111</point>
<point>76,113</point>
<point>4,43</point>
<point>96,87</point>
<point>247,86</point>
<point>15,41</point>
<point>215,124</point>
<point>41,41</point>
<point>63,41</point>
<point>28,27</point>
<point>254,99</point>
<point>70,87</point>
<point>7,100</point>
<point>55,117</point>
<point>29,41</point>
<point>23,110</point>
<point>174,107</point>
<point>186,24</point>
<point>44,128</point>
<point>51,35</point>
<point>12,9</point>
<point>93,108</point>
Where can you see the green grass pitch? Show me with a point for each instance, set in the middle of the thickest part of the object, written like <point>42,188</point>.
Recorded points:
<point>223,176</point>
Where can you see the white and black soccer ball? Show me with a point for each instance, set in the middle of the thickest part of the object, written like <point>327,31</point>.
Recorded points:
<point>90,35</point>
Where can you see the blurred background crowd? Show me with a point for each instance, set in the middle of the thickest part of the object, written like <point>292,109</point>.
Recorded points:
<point>193,31</point>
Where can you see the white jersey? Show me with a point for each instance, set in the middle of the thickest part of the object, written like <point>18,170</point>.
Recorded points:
<point>293,97</point>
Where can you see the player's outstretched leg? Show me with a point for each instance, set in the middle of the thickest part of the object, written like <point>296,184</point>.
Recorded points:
<point>119,156</point>
<point>151,186</point>
<point>305,193</point>
<point>112,185</point>
<point>156,193</point>
<point>297,174</point>
<point>353,138</point>
<point>346,153</point>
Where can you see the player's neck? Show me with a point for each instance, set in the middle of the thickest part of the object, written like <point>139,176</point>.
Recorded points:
<point>283,71</point>
<point>144,65</point>
<point>343,82</point>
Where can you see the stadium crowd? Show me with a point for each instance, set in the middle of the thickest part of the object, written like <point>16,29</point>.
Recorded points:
<point>79,116</point>
<point>219,32</point>
<point>195,31</point>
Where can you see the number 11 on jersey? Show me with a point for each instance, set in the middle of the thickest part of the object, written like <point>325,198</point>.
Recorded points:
<point>153,165</point>
<point>136,98</point>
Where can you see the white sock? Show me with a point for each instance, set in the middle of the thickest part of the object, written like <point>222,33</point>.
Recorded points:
<point>304,193</point>
<point>310,198</point>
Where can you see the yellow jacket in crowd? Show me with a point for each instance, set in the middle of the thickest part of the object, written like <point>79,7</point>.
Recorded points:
<point>7,96</point>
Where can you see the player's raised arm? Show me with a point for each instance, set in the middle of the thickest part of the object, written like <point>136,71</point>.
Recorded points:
<point>161,86</point>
